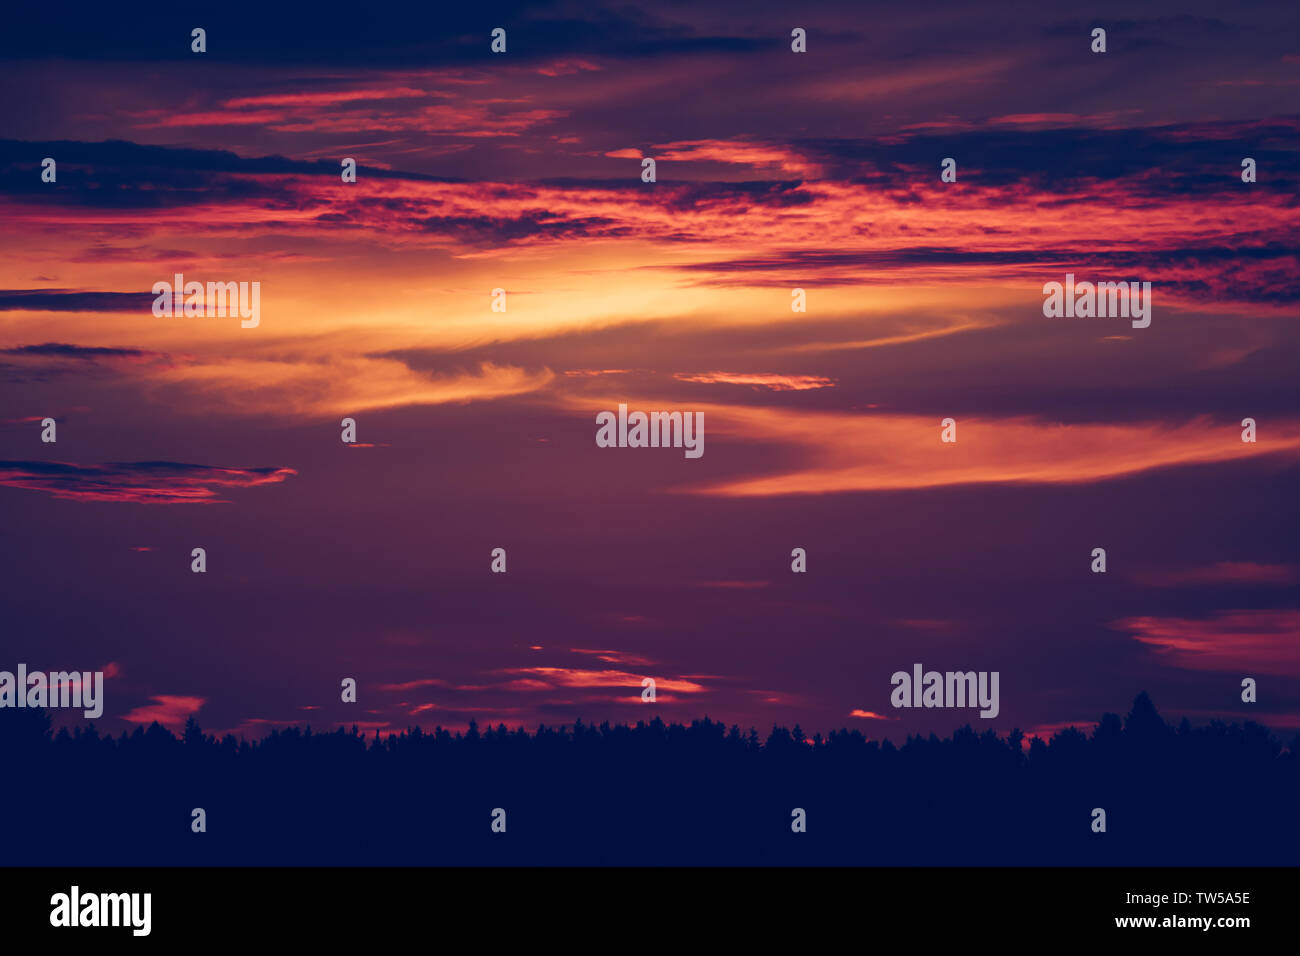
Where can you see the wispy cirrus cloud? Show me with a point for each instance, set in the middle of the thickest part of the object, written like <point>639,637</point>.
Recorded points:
<point>842,452</point>
<point>775,382</point>
<point>86,353</point>
<point>1264,640</point>
<point>142,482</point>
<point>546,678</point>
<point>52,360</point>
<point>414,684</point>
<point>614,657</point>
<point>467,120</point>
<point>67,300</point>
<point>1223,574</point>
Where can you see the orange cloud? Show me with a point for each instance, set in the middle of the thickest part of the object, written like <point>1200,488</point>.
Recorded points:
<point>614,657</point>
<point>545,678</point>
<point>738,152</point>
<point>777,383</point>
<point>869,715</point>
<point>853,452</point>
<point>343,384</point>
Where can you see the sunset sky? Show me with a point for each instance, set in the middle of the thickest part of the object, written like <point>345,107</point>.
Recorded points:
<point>775,171</point>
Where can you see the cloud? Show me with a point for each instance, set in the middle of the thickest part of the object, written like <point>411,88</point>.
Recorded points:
<point>842,452</point>
<point>547,678</point>
<point>143,482</point>
<point>413,684</point>
<point>869,715</point>
<point>1224,573</point>
<point>84,352</point>
<point>568,67</point>
<point>64,300</point>
<point>615,657</point>
<point>167,709</point>
<point>1189,230</point>
<point>335,383</point>
<point>777,383</point>
<point>1237,641</point>
<point>448,35</point>
<point>740,152</point>
<point>321,98</point>
<point>43,363</point>
<point>359,111</point>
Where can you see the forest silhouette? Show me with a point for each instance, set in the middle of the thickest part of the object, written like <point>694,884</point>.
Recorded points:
<point>651,794</point>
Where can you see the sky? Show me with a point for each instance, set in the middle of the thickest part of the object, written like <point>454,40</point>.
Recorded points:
<point>775,170</point>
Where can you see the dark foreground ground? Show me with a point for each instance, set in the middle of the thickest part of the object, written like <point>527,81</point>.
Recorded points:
<point>653,794</point>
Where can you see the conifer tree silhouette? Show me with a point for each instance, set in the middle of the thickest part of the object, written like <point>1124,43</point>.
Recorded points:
<point>1223,793</point>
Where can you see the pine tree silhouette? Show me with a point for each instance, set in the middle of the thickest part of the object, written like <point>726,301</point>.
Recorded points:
<point>700,793</point>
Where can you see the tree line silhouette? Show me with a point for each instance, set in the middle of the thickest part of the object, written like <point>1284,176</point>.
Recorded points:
<point>651,794</point>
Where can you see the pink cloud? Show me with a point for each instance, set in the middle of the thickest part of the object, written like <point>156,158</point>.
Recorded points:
<point>777,383</point>
<point>413,684</point>
<point>1262,640</point>
<point>167,709</point>
<point>1225,572</point>
<point>146,482</point>
<point>327,97</point>
<point>567,67</point>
